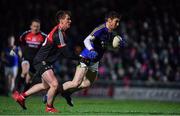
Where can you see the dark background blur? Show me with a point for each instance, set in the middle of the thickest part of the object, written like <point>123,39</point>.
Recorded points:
<point>152,28</point>
<point>16,15</point>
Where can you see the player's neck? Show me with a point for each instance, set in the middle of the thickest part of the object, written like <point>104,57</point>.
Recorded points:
<point>60,26</point>
<point>108,27</point>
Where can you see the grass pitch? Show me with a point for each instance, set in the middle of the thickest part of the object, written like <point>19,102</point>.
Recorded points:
<point>87,106</point>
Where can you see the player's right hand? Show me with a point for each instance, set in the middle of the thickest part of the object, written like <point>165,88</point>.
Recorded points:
<point>123,41</point>
<point>92,54</point>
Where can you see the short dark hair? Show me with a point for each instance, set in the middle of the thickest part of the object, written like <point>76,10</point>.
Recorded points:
<point>112,15</point>
<point>61,14</point>
<point>35,20</point>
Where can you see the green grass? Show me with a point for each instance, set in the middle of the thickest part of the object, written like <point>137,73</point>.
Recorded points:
<point>87,106</point>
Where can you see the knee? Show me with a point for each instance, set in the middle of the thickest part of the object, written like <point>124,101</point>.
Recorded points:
<point>85,84</point>
<point>54,85</point>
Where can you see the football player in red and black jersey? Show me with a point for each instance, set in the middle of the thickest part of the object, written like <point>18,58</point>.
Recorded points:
<point>30,42</point>
<point>54,46</point>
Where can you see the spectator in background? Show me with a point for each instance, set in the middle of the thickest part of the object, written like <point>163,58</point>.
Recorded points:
<point>30,42</point>
<point>11,59</point>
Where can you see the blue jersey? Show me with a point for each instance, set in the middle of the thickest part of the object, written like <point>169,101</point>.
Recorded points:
<point>101,38</point>
<point>12,59</point>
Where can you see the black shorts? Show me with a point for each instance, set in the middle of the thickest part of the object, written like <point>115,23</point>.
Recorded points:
<point>42,67</point>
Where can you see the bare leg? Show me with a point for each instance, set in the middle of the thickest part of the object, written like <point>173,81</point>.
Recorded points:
<point>25,68</point>
<point>25,75</point>
<point>13,79</point>
<point>36,88</point>
<point>87,81</point>
<point>77,80</point>
<point>27,83</point>
<point>28,78</point>
<point>50,78</point>
<point>13,83</point>
<point>9,83</point>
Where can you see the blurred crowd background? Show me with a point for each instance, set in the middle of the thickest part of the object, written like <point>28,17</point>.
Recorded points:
<point>151,27</point>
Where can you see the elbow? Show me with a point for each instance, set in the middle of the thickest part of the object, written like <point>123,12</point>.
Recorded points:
<point>85,41</point>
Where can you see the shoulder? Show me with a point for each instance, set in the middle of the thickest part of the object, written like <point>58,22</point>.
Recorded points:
<point>26,32</point>
<point>53,31</point>
<point>98,30</point>
<point>53,34</point>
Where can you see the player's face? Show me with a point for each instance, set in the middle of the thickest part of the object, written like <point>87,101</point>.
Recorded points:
<point>66,22</point>
<point>35,27</point>
<point>114,23</point>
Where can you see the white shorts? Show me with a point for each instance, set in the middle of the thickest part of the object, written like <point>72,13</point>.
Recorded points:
<point>93,66</point>
<point>13,71</point>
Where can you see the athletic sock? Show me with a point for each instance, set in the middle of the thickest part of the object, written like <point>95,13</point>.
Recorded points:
<point>49,105</point>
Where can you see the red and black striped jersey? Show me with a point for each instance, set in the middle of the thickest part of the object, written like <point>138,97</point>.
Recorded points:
<point>30,43</point>
<point>53,47</point>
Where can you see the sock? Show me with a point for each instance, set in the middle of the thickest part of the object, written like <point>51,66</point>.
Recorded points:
<point>49,105</point>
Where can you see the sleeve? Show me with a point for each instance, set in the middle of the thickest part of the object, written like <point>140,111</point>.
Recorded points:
<point>87,42</point>
<point>58,39</point>
<point>89,39</point>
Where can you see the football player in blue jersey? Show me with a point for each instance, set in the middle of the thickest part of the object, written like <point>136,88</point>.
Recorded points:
<point>11,61</point>
<point>95,46</point>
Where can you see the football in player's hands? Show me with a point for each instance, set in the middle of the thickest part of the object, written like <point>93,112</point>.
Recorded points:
<point>119,41</point>
<point>116,41</point>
